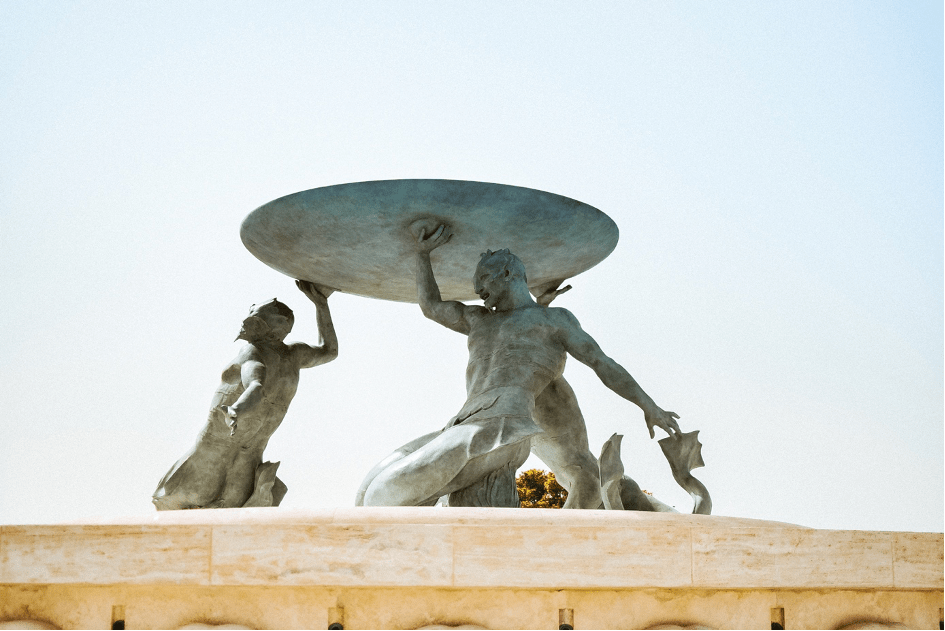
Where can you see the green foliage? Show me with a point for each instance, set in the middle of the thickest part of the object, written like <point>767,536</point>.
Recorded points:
<point>539,489</point>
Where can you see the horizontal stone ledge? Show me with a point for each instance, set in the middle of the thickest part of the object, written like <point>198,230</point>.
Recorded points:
<point>466,548</point>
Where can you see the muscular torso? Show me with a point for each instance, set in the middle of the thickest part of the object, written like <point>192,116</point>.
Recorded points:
<point>519,348</point>
<point>524,348</point>
<point>279,386</point>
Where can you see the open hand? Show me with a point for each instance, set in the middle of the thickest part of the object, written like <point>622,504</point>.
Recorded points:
<point>314,291</point>
<point>666,421</point>
<point>229,415</point>
<point>546,298</point>
<point>429,243</point>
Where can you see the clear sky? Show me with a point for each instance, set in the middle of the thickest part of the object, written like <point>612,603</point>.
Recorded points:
<point>775,169</point>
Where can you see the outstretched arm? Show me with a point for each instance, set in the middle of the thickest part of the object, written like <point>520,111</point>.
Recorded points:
<point>582,347</point>
<point>450,313</point>
<point>328,349</point>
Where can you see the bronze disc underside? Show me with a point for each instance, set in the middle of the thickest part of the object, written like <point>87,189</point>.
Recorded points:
<point>358,238</point>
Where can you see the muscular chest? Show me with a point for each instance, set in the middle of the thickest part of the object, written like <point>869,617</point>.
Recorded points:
<point>520,332</point>
<point>280,373</point>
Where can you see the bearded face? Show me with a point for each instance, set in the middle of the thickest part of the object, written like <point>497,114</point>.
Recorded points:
<point>265,322</point>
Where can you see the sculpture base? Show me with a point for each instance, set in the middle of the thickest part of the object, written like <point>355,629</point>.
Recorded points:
<point>492,568</point>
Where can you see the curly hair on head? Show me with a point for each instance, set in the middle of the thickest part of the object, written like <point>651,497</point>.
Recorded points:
<point>501,261</point>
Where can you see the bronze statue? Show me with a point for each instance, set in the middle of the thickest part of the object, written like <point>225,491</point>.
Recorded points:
<point>224,469</point>
<point>517,348</point>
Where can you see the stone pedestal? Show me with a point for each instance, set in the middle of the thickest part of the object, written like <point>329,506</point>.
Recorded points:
<point>407,568</point>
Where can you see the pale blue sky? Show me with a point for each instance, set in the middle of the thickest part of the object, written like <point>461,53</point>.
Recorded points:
<point>775,169</point>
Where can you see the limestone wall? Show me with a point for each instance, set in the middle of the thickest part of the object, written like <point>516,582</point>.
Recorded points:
<point>491,568</point>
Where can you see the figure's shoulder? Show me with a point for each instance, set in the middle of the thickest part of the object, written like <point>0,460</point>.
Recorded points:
<point>560,315</point>
<point>475,313</point>
<point>249,352</point>
<point>303,353</point>
<point>297,347</point>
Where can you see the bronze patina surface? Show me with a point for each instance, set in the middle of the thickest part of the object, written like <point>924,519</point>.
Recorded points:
<point>358,238</point>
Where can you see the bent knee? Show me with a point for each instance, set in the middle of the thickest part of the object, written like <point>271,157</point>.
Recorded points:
<point>387,490</point>
<point>408,483</point>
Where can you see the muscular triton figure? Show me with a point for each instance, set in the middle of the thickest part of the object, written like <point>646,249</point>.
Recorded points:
<point>517,348</point>
<point>224,469</point>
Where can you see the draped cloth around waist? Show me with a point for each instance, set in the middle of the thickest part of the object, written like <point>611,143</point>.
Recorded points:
<point>501,416</point>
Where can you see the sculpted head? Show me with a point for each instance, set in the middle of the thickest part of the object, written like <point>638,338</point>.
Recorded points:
<point>269,321</point>
<point>496,275</point>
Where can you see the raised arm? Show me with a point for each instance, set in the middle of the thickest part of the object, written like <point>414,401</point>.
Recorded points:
<point>310,356</point>
<point>450,313</point>
<point>583,348</point>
